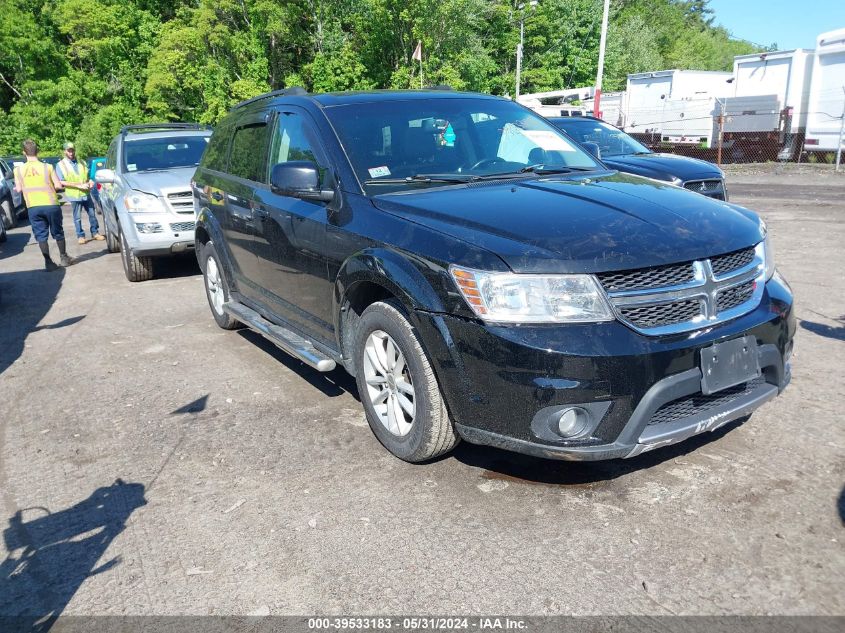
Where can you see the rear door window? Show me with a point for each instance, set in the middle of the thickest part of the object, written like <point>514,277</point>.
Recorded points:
<point>217,150</point>
<point>247,158</point>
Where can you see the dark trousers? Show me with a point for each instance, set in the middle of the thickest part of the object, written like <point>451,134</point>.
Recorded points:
<point>46,220</point>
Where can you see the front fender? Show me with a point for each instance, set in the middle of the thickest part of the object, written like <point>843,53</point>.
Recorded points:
<point>401,274</point>
<point>208,229</point>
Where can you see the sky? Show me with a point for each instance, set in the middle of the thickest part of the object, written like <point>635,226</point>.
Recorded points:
<point>789,23</point>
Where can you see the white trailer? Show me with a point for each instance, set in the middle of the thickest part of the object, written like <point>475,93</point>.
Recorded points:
<point>826,107</point>
<point>782,74</point>
<point>648,95</point>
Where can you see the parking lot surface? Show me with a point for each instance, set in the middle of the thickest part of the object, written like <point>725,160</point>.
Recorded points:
<point>151,463</point>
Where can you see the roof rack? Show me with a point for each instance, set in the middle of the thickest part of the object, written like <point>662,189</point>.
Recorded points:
<point>293,91</point>
<point>148,127</point>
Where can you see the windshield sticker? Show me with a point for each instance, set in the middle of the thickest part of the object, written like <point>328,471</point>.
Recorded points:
<point>378,172</point>
<point>448,136</point>
<point>131,167</point>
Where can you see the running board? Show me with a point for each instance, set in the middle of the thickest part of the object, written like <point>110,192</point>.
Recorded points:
<point>289,341</point>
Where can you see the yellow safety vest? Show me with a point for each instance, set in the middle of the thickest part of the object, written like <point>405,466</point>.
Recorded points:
<point>35,178</point>
<point>74,174</point>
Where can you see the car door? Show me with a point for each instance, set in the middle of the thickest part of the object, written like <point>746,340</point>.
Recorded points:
<point>291,233</point>
<point>108,192</point>
<point>9,176</point>
<point>246,172</point>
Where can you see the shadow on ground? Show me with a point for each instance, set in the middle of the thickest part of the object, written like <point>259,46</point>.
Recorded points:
<point>507,466</point>
<point>25,298</point>
<point>836,332</point>
<point>174,267</point>
<point>50,554</point>
<point>332,384</point>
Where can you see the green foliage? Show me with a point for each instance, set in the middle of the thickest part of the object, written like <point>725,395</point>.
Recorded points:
<point>79,69</point>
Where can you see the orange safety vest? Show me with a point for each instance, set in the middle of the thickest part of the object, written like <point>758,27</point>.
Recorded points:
<point>35,179</point>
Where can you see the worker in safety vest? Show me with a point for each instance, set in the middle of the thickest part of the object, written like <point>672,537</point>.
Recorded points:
<point>38,183</point>
<point>73,174</point>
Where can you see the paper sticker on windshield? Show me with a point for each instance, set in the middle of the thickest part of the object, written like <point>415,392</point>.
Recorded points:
<point>449,136</point>
<point>131,167</point>
<point>548,140</point>
<point>378,172</point>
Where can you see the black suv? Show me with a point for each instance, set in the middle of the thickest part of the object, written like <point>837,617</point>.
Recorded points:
<point>618,150</point>
<point>484,278</point>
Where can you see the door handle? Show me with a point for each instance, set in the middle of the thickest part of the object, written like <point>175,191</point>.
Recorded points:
<point>217,196</point>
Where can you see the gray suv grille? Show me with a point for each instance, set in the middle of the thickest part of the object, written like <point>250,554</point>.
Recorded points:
<point>683,297</point>
<point>182,226</point>
<point>181,201</point>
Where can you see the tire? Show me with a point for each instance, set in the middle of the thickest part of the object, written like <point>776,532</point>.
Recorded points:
<point>216,288</point>
<point>8,213</point>
<point>112,243</point>
<point>136,268</point>
<point>3,234</point>
<point>424,432</point>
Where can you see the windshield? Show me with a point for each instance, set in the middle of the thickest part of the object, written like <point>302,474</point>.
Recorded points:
<point>163,153</point>
<point>451,140</point>
<point>611,141</point>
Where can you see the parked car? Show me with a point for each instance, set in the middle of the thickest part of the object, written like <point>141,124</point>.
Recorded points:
<point>620,151</point>
<point>11,202</point>
<point>484,278</point>
<point>148,208</point>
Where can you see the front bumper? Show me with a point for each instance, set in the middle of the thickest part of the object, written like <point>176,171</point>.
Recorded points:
<point>176,234</point>
<point>498,381</point>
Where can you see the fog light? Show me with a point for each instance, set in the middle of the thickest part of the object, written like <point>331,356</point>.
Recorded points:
<point>572,421</point>
<point>148,227</point>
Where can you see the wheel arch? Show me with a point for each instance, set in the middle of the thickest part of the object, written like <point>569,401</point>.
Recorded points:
<point>374,275</point>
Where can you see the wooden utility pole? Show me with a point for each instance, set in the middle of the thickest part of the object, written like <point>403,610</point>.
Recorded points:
<point>600,73</point>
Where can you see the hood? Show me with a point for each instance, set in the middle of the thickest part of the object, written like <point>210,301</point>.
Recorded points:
<point>154,181</point>
<point>603,222</point>
<point>664,166</point>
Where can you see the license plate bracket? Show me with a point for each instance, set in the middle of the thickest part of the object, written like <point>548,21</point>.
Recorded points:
<point>728,364</point>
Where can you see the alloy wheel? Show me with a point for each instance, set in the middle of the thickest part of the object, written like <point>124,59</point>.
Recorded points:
<point>389,384</point>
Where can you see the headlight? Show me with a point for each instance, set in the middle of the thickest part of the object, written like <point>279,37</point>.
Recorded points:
<point>140,202</point>
<point>768,257</point>
<point>511,298</point>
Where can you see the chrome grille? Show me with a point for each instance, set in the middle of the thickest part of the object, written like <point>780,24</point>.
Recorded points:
<point>734,296</point>
<point>656,277</point>
<point>662,313</point>
<point>724,264</point>
<point>698,404</point>
<point>181,201</point>
<point>711,188</point>
<point>683,297</point>
<point>182,226</point>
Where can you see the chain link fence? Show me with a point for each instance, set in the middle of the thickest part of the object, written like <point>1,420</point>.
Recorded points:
<point>733,130</point>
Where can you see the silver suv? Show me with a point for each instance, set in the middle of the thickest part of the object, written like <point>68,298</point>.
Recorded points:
<point>148,206</point>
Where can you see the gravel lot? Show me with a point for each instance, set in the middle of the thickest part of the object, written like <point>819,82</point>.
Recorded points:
<point>151,463</point>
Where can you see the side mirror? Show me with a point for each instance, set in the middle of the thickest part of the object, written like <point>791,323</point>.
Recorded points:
<point>593,148</point>
<point>104,176</point>
<point>299,179</point>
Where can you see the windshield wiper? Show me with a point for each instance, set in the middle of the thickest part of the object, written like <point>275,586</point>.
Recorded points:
<point>423,179</point>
